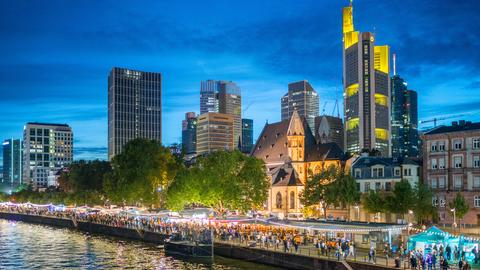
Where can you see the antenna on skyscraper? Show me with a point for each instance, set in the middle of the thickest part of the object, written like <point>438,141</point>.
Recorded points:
<point>394,64</point>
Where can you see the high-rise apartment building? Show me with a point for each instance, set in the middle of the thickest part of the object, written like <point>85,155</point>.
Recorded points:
<point>405,141</point>
<point>214,132</point>
<point>189,133</point>
<point>366,82</point>
<point>209,96</point>
<point>12,162</point>
<point>329,129</point>
<point>230,102</point>
<point>247,135</point>
<point>47,148</point>
<point>134,107</point>
<point>301,97</point>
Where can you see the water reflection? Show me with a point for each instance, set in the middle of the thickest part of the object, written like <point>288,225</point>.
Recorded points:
<point>28,246</point>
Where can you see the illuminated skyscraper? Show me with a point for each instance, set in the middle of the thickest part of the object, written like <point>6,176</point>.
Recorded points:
<point>247,135</point>
<point>301,97</point>
<point>366,82</point>
<point>189,133</point>
<point>230,102</point>
<point>12,162</point>
<point>214,132</point>
<point>209,96</point>
<point>134,107</point>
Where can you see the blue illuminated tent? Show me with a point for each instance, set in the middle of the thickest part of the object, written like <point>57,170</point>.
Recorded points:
<point>429,237</point>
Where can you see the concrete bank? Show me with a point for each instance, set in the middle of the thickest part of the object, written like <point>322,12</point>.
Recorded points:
<point>279,259</point>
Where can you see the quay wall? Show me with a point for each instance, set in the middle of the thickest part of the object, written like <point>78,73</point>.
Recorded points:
<point>279,259</point>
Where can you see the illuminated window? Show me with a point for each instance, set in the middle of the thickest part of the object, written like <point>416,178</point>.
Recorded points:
<point>381,99</point>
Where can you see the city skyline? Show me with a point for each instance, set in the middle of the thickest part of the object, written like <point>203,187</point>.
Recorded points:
<point>49,74</point>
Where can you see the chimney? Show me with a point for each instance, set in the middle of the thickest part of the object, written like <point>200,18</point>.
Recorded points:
<point>461,123</point>
<point>454,123</point>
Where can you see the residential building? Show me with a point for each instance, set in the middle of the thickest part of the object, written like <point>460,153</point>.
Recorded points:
<point>291,156</point>
<point>230,102</point>
<point>451,156</point>
<point>189,133</point>
<point>405,139</point>
<point>214,132</point>
<point>329,129</point>
<point>12,162</point>
<point>303,99</point>
<point>366,83</point>
<point>134,107</point>
<point>46,148</point>
<point>247,135</point>
<point>209,96</point>
<point>381,174</point>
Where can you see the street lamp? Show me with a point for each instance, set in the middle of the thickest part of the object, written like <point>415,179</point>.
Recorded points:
<point>358,211</point>
<point>454,225</point>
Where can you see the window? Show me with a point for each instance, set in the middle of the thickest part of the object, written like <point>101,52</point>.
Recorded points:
<point>377,172</point>
<point>457,144</point>
<point>407,172</point>
<point>476,161</point>
<point>292,200</point>
<point>278,203</point>
<point>441,182</point>
<point>358,173</point>
<point>476,143</point>
<point>397,172</point>
<point>434,147</point>
<point>388,186</point>
<point>367,186</point>
<point>378,186</point>
<point>441,163</point>
<point>476,201</point>
<point>476,182</point>
<point>434,164</point>
<point>457,181</point>
<point>457,162</point>
<point>434,183</point>
<point>442,201</point>
<point>434,201</point>
<point>441,146</point>
<point>380,172</point>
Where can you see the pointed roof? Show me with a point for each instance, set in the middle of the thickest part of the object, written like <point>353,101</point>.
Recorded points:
<point>285,175</point>
<point>295,126</point>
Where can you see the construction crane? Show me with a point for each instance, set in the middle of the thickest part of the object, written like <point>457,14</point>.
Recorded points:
<point>434,120</point>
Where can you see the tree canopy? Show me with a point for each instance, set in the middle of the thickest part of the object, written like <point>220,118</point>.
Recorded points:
<point>223,181</point>
<point>401,199</point>
<point>84,175</point>
<point>141,172</point>
<point>460,205</point>
<point>424,210</point>
<point>373,202</point>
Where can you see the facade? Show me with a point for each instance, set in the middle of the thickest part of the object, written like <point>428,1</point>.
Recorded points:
<point>329,129</point>
<point>291,156</point>
<point>134,107</point>
<point>214,132</point>
<point>405,140</point>
<point>12,162</point>
<point>189,133</point>
<point>366,83</point>
<point>451,156</point>
<point>46,148</point>
<point>381,174</point>
<point>247,135</point>
<point>209,96</point>
<point>301,97</point>
<point>230,102</point>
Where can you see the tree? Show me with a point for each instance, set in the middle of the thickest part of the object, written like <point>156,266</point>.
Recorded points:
<point>223,181</point>
<point>460,205</point>
<point>84,175</point>
<point>424,209</point>
<point>345,189</point>
<point>318,189</point>
<point>401,199</point>
<point>373,202</point>
<point>141,173</point>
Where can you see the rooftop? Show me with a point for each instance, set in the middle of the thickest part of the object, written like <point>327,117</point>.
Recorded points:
<point>47,124</point>
<point>461,125</point>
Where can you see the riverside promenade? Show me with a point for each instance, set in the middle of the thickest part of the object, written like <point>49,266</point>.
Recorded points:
<point>306,258</point>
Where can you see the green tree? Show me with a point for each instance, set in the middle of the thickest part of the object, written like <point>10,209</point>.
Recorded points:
<point>223,181</point>
<point>141,172</point>
<point>345,190</point>
<point>460,205</point>
<point>84,175</point>
<point>319,190</point>
<point>401,199</point>
<point>373,202</point>
<point>424,210</point>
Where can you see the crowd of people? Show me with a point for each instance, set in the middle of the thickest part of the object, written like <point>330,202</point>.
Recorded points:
<point>254,235</point>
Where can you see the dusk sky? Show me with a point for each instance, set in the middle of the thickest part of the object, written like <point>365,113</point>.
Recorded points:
<point>56,56</point>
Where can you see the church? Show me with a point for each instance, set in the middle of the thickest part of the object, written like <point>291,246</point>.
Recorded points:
<point>291,155</point>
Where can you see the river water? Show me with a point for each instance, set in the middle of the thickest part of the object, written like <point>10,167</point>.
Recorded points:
<point>30,246</point>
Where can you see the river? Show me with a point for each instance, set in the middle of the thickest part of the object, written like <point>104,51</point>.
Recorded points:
<point>30,246</point>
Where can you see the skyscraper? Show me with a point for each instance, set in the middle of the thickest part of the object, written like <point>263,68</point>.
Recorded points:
<point>214,132</point>
<point>189,133</point>
<point>209,96</point>
<point>404,120</point>
<point>366,82</point>
<point>12,162</point>
<point>230,102</point>
<point>134,107</point>
<point>301,97</point>
<point>47,148</point>
<point>247,135</point>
